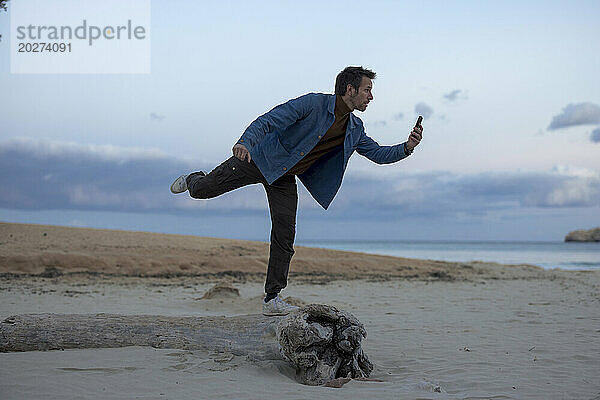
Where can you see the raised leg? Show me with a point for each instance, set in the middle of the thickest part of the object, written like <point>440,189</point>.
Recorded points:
<point>233,173</point>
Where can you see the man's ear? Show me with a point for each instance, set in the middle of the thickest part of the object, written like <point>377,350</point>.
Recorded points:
<point>350,90</point>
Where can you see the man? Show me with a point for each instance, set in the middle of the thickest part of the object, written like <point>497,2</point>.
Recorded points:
<point>312,137</point>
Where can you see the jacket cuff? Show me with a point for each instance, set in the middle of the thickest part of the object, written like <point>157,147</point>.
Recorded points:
<point>406,152</point>
<point>245,142</point>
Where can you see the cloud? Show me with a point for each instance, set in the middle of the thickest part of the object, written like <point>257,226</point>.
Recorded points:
<point>376,124</point>
<point>454,95</point>
<point>155,117</point>
<point>398,116</point>
<point>576,114</point>
<point>595,136</point>
<point>40,149</point>
<point>576,172</point>
<point>42,175</point>
<point>56,175</point>
<point>424,110</point>
<point>445,193</point>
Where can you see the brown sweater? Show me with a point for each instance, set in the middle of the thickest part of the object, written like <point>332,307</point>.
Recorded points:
<point>333,138</point>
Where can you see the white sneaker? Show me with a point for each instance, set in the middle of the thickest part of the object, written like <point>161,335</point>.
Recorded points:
<point>180,185</point>
<point>277,306</point>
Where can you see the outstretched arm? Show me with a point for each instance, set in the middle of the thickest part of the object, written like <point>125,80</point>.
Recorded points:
<point>389,154</point>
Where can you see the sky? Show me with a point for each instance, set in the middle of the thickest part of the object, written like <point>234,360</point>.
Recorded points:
<point>510,92</point>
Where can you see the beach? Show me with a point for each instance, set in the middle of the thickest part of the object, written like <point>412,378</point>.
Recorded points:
<point>436,330</point>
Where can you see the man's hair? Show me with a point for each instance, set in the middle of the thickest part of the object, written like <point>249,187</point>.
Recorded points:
<point>351,76</point>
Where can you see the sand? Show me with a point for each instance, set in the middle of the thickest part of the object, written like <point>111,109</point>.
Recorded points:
<point>45,250</point>
<point>435,330</point>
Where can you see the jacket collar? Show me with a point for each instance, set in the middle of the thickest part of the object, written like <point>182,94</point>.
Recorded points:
<point>351,122</point>
<point>331,109</point>
<point>331,104</point>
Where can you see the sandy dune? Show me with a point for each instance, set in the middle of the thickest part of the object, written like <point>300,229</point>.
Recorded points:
<point>40,249</point>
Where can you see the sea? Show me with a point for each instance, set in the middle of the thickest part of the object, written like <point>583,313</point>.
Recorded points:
<point>548,255</point>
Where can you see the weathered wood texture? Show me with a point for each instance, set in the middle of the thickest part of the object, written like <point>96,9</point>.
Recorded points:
<point>322,342</point>
<point>252,335</point>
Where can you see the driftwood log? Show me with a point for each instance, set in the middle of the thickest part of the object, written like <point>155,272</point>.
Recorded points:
<point>322,342</point>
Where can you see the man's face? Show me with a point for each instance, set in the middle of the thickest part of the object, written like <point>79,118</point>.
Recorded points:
<point>360,98</point>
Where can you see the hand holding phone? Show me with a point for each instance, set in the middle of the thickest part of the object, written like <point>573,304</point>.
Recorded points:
<point>415,136</point>
<point>419,120</point>
<point>418,128</point>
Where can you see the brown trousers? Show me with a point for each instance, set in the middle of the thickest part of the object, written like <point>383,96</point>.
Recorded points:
<point>283,201</point>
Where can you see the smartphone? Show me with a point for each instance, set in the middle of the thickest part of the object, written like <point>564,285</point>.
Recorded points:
<point>419,120</point>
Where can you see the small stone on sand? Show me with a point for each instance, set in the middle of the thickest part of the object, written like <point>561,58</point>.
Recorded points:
<point>337,382</point>
<point>221,290</point>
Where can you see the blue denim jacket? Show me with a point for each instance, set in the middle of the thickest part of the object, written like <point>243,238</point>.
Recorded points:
<point>280,138</point>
